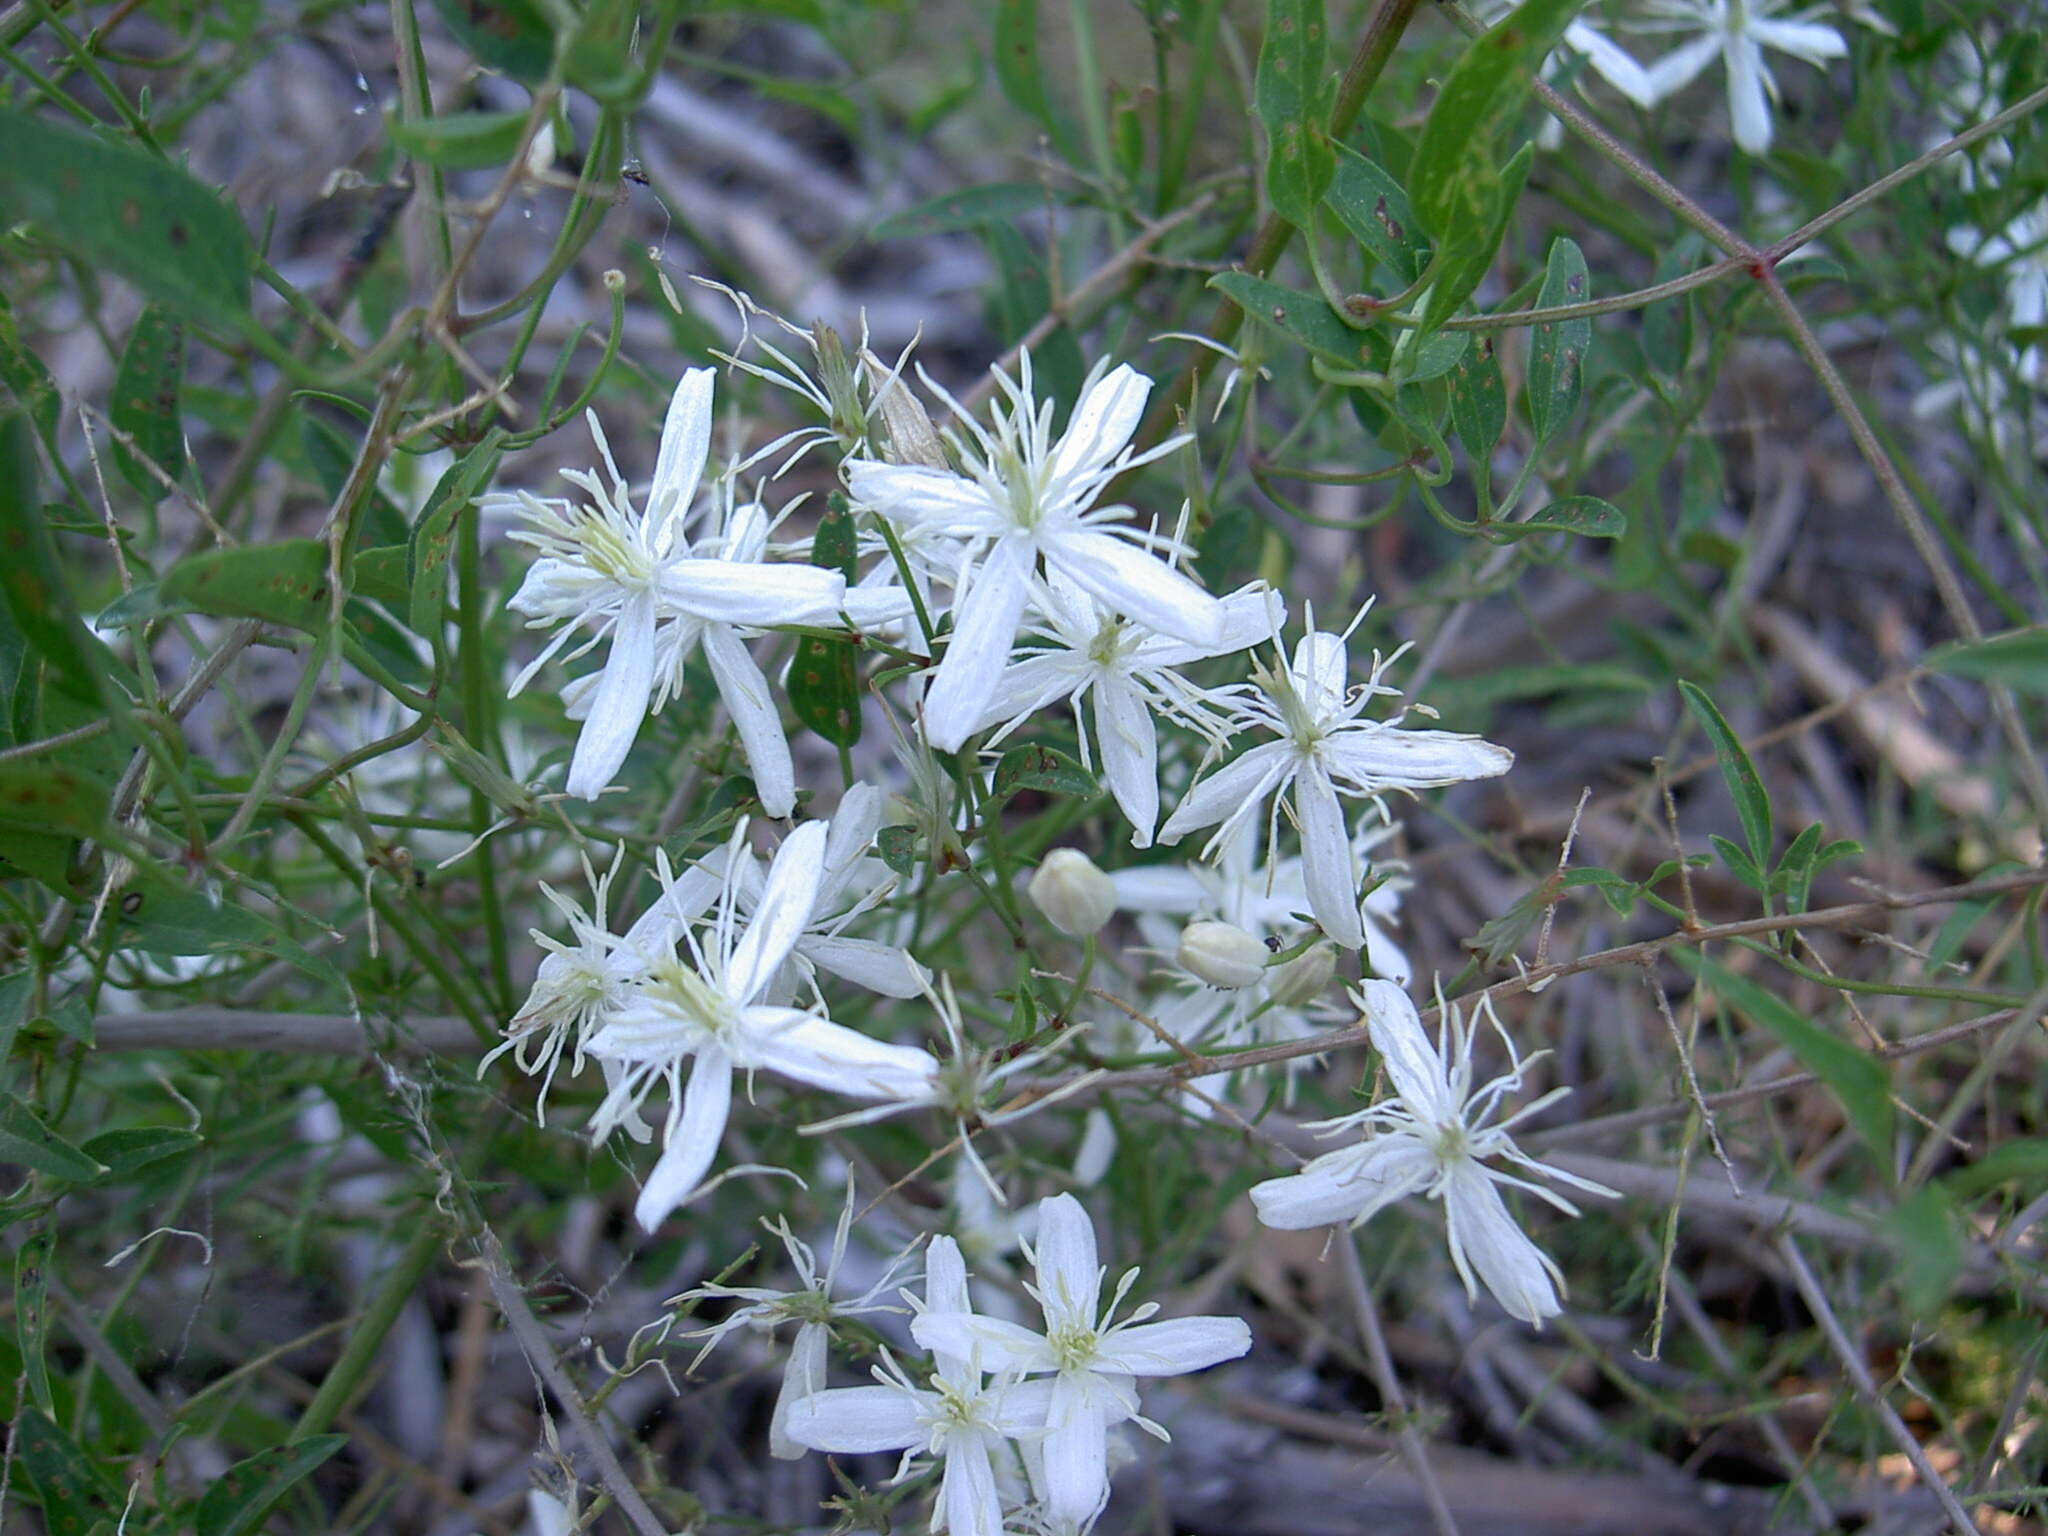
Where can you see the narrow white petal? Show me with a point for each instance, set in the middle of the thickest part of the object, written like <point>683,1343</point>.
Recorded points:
<point>803,1375</point>
<point>913,494</point>
<point>1749,105</point>
<point>967,1489</point>
<point>1076,1453</point>
<point>1031,684</point>
<point>746,592</point>
<point>1129,744</point>
<point>1170,888</point>
<point>857,1420</point>
<point>1347,1185</point>
<point>1419,1073</point>
<point>685,444</point>
<point>825,1055</point>
<point>1102,422</point>
<point>781,914</point>
<point>1612,63</point>
<point>754,715</point>
<point>1125,578</point>
<point>1322,671</point>
<point>996,1344</point>
<point>985,626</point>
<point>1807,40</point>
<point>620,702</point>
<point>1069,1272</point>
<point>1236,789</point>
<point>945,1277</point>
<point>1327,868</point>
<point>883,968</point>
<point>1376,758</point>
<point>852,831</point>
<point>1484,1235</point>
<point>1679,68</point>
<point>694,1142</point>
<point>1174,1347</point>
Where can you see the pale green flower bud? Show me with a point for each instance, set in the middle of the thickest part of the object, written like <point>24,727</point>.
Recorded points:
<point>1222,954</point>
<point>1304,978</point>
<point>1075,896</point>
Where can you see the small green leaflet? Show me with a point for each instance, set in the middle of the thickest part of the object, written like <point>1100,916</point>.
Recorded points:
<point>31,1300</point>
<point>1463,259</point>
<point>32,580</point>
<point>1302,316</point>
<point>512,35</point>
<point>145,404</point>
<point>997,202</point>
<point>25,1140</point>
<point>240,1497</point>
<point>1043,769</point>
<point>1858,1080</point>
<point>824,676</point>
<point>1020,71</point>
<point>1752,800</point>
<point>1371,205</point>
<point>75,1494</point>
<point>1587,516</point>
<point>1289,96</point>
<point>1558,348</point>
<point>129,212</point>
<point>1479,398</point>
<point>433,534</point>
<point>2018,658</point>
<point>466,141</point>
<point>283,583</point>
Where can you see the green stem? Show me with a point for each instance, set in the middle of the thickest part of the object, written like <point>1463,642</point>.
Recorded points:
<point>357,1357</point>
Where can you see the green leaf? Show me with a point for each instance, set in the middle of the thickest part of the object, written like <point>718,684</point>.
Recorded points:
<point>1432,357</point>
<point>1043,769</point>
<point>897,847</point>
<point>74,1493</point>
<point>998,202</point>
<point>1617,891</point>
<point>162,917</point>
<point>824,675</point>
<point>240,1497</point>
<point>284,583</point>
<point>1740,864</point>
<point>432,539</point>
<point>1463,259</point>
<point>1558,348</point>
<point>1020,72</point>
<point>145,403</point>
<point>53,793</point>
<point>1666,333</point>
<point>2024,1160</point>
<point>379,575</point>
<point>26,378</point>
<point>25,1140</point>
<point>1923,1231</point>
<point>465,141</point>
<point>1302,316</point>
<point>1587,516</point>
<point>124,211</point>
<point>510,35</point>
<point>31,1317</point>
<point>32,578</point>
<point>1288,94</point>
<point>1752,800</point>
<point>1479,399</point>
<point>1453,183</point>
<point>134,1148</point>
<point>2018,658</point>
<point>1857,1080</point>
<point>1374,208</point>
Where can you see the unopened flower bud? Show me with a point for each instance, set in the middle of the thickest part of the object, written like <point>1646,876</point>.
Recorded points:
<point>1222,954</point>
<point>1075,896</point>
<point>1304,978</point>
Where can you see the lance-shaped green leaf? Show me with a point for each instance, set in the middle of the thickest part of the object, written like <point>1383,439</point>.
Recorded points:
<point>1479,398</point>
<point>1856,1079</point>
<point>510,35</point>
<point>124,211</point>
<point>433,534</point>
<point>145,404</point>
<point>1587,516</point>
<point>236,1501</point>
<point>76,1496</point>
<point>1020,71</point>
<point>1372,206</point>
<point>463,141</point>
<point>32,581</point>
<point>1558,348</point>
<point>824,675</point>
<point>2018,658</point>
<point>1463,259</point>
<point>284,583</point>
<point>1044,769</point>
<point>1289,96</point>
<point>25,377</point>
<point>31,1313</point>
<point>25,1140</point>
<point>1752,800</point>
<point>1302,316</point>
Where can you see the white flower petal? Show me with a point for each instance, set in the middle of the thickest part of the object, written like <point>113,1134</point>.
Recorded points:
<point>1102,423</point>
<point>692,1144</point>
<point>1127,579</point>
<point>883,968</point>
<point>1377,758</point>
<point>1612,63</point>
<point>985,626</point>
<point>857,1421</point>
<point>1129,745</point>
<point>1326,864</point>
<point>1076,1449</point>
<point>1749,105</point>
<point>803,1375</point>
<point>780,915</point>
<point>1174,1347</point>
<point>996,1345</point>
<point>1069,1273</point>
<point>945,1277</point>
<point>756,718</point>
<point>1484,1237</point>
<point>1418,1070</point>
<point>1679,68</point>
<point>913,494</point>
<point>1234,791</point>
<point>748,592</point>
<point>1807,40</point>
<point>825,1055</point>
<point>620,702</point>
<point>1347,1185</point>
<point>685,444</point>
<point>967,1489</point>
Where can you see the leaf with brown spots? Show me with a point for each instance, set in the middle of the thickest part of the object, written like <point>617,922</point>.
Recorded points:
<point>146,403</point>
<point>285,583</point>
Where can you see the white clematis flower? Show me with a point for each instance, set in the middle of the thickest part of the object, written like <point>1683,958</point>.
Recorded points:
<point>709,1016</point>
<point>962,1419</point>
<point>1090,649</point>
<point>1027,500</point>
<point>1092,1360</point>
<point>1325,750</point>
<point>635,577</point>
<point>1433,1139</point>
<point>1737,32</point>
